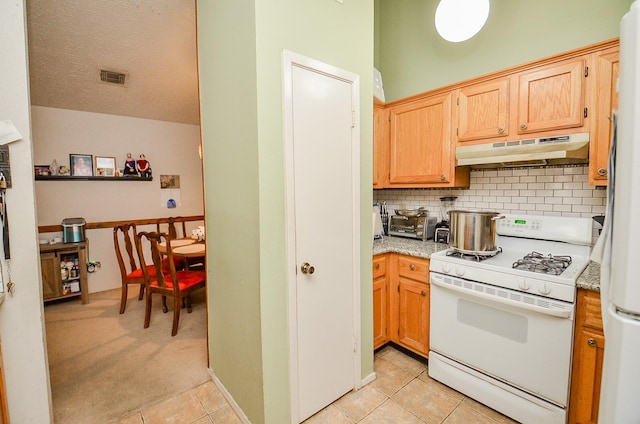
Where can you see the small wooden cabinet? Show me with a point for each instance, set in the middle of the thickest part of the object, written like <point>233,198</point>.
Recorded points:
<point>544,100</point>
<point>58,280</point>
<point>380,301</point>
<point>607,72</point>
<point>588,354</point>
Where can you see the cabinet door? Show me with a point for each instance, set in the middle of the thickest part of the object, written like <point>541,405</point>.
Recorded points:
<point>551,97</point>
<point>420,142</point>
<point>380,146</point>
<point>585,395</point>
<point>380,301</point>
<point>483,110</point>
<point>588,355</point>
<point>380,304</point>
<point>608,69</point>
<point>51,283</point>
<point>413,325</point>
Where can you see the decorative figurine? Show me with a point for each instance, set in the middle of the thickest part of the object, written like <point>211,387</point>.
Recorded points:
<point>130,165</point>
<point>143,166</point>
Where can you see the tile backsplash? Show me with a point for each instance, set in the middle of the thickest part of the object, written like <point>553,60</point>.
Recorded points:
<point>560,191</point>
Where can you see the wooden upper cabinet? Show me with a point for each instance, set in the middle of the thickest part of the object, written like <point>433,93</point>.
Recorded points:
<point>380,146</point>
<point>420,142</point>
<point>482,111</point>
<point>607,72</point>
<point>552,97</point>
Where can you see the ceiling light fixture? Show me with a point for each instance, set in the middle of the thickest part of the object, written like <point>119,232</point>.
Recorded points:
<point>459,20</point>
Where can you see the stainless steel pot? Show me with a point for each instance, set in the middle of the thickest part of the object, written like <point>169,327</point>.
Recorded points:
<point>473,232</point>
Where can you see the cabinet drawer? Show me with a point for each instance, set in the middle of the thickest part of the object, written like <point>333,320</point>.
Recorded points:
<point>414,268</point>
<point>592,310</point>
<point>379,266</point>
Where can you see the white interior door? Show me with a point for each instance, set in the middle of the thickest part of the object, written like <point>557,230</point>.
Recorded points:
<point>323,208</point>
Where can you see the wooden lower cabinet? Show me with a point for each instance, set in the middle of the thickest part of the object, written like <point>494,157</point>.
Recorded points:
<point>402,316</point>
<point>380,301</point>
<point>588,354</point>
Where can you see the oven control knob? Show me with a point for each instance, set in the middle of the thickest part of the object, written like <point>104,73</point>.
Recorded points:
<point>459,272</point>
<point>544,289</point>
<point>445,268</point>
<point>523,284</point>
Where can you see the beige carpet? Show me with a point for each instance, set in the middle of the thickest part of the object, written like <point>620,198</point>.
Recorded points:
<point>104,365</point>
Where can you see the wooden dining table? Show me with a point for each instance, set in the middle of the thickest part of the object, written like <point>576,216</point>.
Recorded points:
<point>187,248</point>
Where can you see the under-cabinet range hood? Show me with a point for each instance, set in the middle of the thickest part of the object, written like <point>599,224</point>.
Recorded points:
<point>558,150</point>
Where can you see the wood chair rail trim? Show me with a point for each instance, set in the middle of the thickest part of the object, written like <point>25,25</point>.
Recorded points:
<point>113,224</point>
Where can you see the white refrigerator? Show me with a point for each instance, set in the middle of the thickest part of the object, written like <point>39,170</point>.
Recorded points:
<point>619,245</point>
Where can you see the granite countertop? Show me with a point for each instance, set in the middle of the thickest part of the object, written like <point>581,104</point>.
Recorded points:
<point>407,246</point>
<point>590,278</point>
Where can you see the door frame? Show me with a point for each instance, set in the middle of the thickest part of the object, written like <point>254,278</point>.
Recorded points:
<point>290,60</point>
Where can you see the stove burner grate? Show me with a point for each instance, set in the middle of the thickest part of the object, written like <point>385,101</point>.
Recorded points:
<point>473,256</point>
<point>545,264</point>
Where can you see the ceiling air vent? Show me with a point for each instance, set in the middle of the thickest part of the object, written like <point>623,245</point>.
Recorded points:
<point>112,77</point>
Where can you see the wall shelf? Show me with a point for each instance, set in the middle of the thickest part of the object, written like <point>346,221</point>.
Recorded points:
<point>92,178</point>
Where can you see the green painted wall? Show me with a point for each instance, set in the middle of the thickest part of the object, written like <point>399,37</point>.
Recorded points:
<point>240,50</point>
<point>226,42</point>
<point>413,58</point>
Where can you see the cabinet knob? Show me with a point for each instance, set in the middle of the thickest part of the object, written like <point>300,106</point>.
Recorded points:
<point>592,342</point>
<point>412,267</point>
<point>423,292</point>
<point>602,171</point>
<point>443,177</point>
<point>377,266</point>
<point>523,126</point>
<point>500,130</point>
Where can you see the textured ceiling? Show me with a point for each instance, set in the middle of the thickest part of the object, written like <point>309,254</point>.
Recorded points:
<point>153,41</point>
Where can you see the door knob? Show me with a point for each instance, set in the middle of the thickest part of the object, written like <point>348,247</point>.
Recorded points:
<point>306,268</point>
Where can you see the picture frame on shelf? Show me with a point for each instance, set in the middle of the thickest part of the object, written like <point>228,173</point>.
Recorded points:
<point>81,165</point>
<point>105,166</point>
<point>41,170</point>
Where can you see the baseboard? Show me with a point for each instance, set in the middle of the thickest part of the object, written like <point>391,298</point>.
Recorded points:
<point>229,398</point>
<point>368,379</point>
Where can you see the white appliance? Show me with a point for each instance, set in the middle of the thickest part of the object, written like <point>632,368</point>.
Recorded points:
<point>501,327</point>
<point>618,246</point>
<point>378,88</point>
<point>378,229</point>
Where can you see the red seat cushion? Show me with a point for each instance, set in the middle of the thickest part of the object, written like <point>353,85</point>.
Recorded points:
<point>138,272</point>
<point>186,279</point>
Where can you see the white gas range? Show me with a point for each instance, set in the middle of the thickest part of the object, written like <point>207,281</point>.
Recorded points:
<point>502,326</point>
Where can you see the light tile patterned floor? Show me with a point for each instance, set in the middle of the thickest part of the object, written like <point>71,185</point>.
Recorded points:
<point>403,393</point>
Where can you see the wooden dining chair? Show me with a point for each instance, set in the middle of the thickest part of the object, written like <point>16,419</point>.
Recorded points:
<point>128,261</point>
<point>178,284</point>
<point>173,224</point>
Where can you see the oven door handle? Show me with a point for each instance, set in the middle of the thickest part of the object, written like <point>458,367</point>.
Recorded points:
<point>496,299</point>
